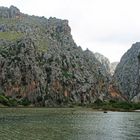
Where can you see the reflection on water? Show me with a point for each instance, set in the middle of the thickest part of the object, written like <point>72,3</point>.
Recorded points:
<point>68,124</point>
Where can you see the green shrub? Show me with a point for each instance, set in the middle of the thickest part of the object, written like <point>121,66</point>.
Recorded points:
<point>4,100</point>
<point>115,105</point>
<point>13,102</point>
<point>42,46</point>
<point>25,102</point>
<point>39,98</point>
<point>98,102</point>
<point>67,74</point>
<point>136,106</point>
<point>122,105</point>
<point>10,35</point>
<point>112,101</point>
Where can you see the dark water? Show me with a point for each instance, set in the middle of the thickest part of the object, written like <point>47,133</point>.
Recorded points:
<point>68,124</point>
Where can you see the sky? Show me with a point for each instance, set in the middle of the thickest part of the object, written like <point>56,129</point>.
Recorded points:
<point>109,27</point>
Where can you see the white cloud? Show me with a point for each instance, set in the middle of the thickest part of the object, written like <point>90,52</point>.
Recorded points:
<point>106,26</point>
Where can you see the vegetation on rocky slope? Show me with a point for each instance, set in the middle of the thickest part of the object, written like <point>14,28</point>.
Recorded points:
<point>10,35</point>
<point>40,64</point>
<point>115,105</point>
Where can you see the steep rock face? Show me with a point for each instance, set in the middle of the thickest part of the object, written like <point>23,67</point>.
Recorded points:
<point>11,12</point>
<point>104,61</point>
<point>113,66</point>
<point>109,68</point>
<point>126,79</point>
<point>20,72</point>
<point>39,60</point>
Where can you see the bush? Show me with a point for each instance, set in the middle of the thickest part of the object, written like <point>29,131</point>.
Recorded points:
<point>112,101</point>
<point>10,35</point>
<point>7,101</point>
<point>4,100</point>
<point>25,102</point>
<point>67,74</point>
<point>98,102</point>
<point>39,98</point>
<point>115,105</point>
<point>13,102</point>
<point>136,106</point>
<point>122,105</point>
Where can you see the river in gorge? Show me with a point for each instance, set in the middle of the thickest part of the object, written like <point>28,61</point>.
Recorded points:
<point>67,124</point>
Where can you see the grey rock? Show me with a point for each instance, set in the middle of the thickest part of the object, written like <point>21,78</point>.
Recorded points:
<point>126,78</point>
<point>104,61</point>
<point>113,66</point>
<point>45,63</point>
<point>11,12</point>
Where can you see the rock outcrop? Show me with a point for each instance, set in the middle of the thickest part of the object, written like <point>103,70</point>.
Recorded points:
<point>104,61</point>
<point>11,12</point>
<point>113,66</point>
<point>126,79</point>
<point>109,67</point>
<point>40,61</point>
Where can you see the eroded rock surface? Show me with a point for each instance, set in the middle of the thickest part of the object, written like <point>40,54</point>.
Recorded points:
<point>40,61</point>
<point>126,79</point>
<point>113,66</point>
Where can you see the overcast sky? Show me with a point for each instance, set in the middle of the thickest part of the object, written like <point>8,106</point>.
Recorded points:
<point>109,27</point>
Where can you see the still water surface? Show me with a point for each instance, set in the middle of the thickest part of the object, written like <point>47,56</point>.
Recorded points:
<point>68,124</point>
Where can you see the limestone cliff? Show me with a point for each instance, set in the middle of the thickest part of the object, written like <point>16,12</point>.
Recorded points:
<point>40,61</point>
<point>104,61</point>
<point>110,68</point>
<point>113,66</point>
<point>126,79</point>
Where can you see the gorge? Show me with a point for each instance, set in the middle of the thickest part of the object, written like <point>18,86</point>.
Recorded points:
<point>40,64</point>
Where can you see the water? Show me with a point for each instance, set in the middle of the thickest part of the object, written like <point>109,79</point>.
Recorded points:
<point>67,124</point>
